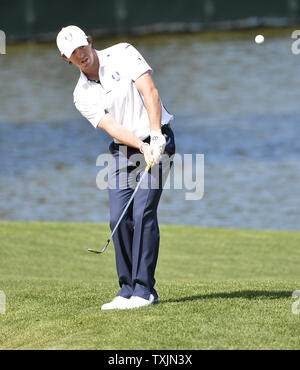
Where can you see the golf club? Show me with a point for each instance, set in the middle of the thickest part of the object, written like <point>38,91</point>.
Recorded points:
<point>123,213</point>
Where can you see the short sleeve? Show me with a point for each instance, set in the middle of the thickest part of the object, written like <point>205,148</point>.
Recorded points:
<point>133,61</point>
<point>92,112</point>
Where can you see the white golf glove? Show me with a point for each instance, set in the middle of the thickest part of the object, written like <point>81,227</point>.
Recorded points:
<point>157,144</point>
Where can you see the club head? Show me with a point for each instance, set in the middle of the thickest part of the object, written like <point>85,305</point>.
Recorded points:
<point>94,251</point>
<point>102,250</point>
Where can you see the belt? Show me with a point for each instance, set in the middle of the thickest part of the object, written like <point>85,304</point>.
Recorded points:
<point>164,128</point>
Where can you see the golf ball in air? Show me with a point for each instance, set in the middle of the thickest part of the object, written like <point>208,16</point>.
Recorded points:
<point>259,39</point>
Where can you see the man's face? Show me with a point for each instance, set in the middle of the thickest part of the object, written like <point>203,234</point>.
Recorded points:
<point>82,57</point>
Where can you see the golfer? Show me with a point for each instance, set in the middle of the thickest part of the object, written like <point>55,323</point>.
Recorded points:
<point>115,92</point>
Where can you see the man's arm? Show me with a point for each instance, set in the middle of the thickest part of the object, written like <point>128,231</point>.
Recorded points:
<point>122,134</point>
<point>119,132</point>
<point>146,87</point>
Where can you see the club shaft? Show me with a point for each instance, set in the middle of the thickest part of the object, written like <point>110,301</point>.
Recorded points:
<point>130,200</point>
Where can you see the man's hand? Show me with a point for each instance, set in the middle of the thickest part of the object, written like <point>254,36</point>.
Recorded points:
<point>157,144</point>
<point>147,151</point>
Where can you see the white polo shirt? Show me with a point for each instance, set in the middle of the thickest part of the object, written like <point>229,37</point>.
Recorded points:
<point>120,66</point>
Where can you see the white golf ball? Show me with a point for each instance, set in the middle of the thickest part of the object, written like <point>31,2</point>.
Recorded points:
<point>259,39</point>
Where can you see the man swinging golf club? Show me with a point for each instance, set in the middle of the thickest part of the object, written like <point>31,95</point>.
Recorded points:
<point>116,93</point>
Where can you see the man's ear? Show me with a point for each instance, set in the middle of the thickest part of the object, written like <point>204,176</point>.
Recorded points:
<point>66,59</point>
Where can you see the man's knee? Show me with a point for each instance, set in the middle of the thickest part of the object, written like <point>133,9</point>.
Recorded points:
<point>126,221</point>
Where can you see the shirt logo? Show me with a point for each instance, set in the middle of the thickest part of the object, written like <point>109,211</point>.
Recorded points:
<point>116,76</point>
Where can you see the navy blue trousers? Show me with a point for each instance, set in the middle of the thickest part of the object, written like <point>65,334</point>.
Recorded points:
<point>136,240</point>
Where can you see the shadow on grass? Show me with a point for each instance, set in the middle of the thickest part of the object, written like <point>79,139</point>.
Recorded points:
<point>246,294</point>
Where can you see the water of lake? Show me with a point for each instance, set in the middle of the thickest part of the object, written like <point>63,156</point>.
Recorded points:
<point>234,101</point>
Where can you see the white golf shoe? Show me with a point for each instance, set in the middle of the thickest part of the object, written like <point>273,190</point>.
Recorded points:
<point>137,302</point>
<point>118,303</point>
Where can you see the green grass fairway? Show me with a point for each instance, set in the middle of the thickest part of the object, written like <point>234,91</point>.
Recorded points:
<point>219,289</point>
